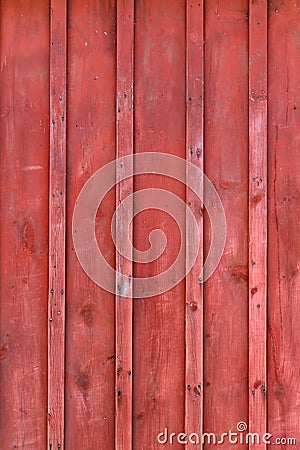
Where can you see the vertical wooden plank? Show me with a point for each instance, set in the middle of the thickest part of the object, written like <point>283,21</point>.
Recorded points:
<point>194,154</point>
<point>57,224</point>
<point>283,221</point>
<point>257,217</point>
<point>124,307</point>
<point>226,164</point>
<point>90,311</point>
<point>159,322</point>
<point>24,141</point>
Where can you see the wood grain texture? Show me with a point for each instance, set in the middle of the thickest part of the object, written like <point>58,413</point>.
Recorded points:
<point>194,155</point>
<point>124,305</point>
<point>283,221</point>
<point>258,219</point>
<point>90,318</point>
<point>57,224</point>
<point>24,153</point>
<point>216,83</point>
<point>226,164</point>
<point>159,322</point>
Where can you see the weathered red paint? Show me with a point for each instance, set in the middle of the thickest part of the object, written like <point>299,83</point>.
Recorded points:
<point>226,164</point>
<point>159,322</point>
<point>114,372</point>
<point>258,182</point>
<point>24,166</point>
<point>283,220</point>
<point>57,223</point>
<point>194,154</point>
<point>124,147</point>
<point>90,312</point>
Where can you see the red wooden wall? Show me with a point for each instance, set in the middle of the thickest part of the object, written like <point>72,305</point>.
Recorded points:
<point>82,83</point>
